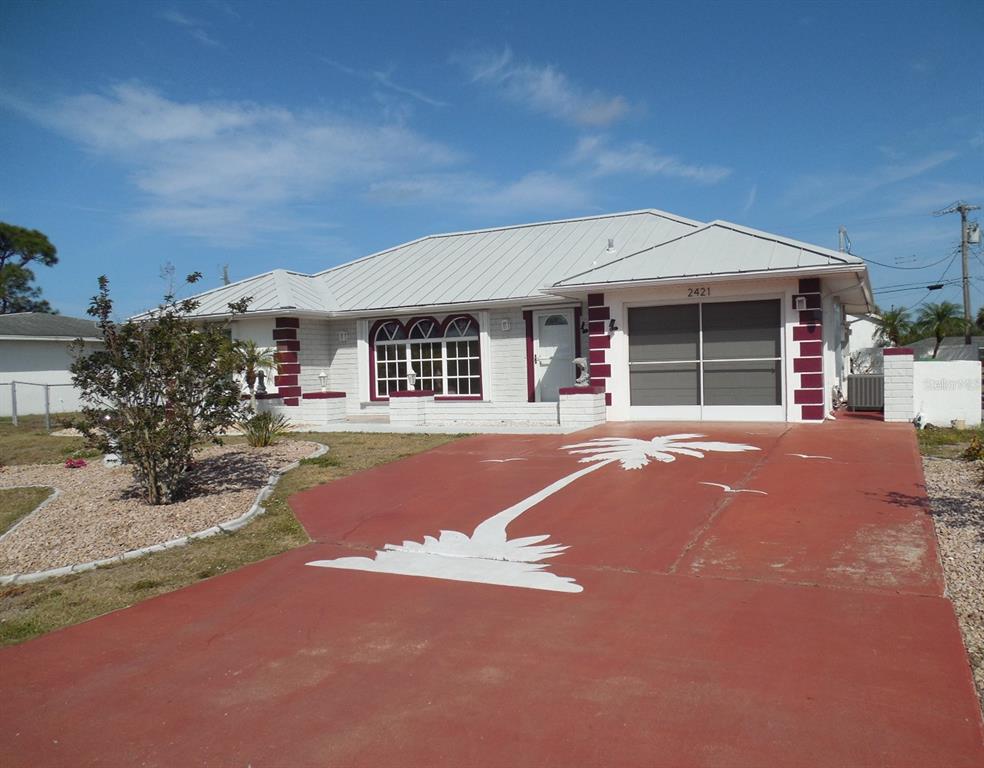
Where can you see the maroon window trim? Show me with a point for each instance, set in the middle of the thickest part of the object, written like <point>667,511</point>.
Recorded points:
<point>442,338</point>
<point>577,331</point>
<point>530,373</point>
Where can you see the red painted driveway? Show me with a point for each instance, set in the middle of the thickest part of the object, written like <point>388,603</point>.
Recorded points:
<point>800,626</point>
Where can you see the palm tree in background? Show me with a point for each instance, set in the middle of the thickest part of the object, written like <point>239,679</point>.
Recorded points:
<point>490,556</point>
<point>893,326</point>
<point>940,320</point>
<point>980,319</point>
<point>250,360</point>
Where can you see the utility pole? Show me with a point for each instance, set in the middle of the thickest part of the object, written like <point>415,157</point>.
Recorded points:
<point>963,209</point>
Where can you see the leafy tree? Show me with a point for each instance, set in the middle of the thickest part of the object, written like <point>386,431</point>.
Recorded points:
<point>158,387</point>
<point>980,319</point>
<point>893,327</point>
<point>19,248</point>
<point>940,320</point>
<point>250,360</point>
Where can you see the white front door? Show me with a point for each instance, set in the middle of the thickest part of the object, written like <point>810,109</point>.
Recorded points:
<point>553,353</point>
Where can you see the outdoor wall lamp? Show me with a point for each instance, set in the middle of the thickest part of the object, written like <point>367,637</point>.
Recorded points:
<point>411,378</point>
<point>323,380</point>
<point>584,327</point>
<point>611,326</point>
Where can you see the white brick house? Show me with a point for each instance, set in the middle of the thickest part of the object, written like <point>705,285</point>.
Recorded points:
<point>675,319</point>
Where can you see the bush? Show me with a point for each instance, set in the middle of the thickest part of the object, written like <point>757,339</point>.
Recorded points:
<point>263,429</point>
<point>974,451</point>
<point>159,386</point>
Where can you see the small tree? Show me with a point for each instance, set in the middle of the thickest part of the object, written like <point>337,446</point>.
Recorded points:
<point>19,248</point>
<point>893,327</point>
<point>250,360</point>
<point>940,320</point>
<point>980,319</point>
<point>158,387</point>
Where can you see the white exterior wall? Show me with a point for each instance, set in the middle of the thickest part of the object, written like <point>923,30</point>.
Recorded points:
<point>39,362</point>
<point>899,397</point>
<point>945,390</point>
<point>314,357</point>
<point>507,355</point>
<point>343,363</point>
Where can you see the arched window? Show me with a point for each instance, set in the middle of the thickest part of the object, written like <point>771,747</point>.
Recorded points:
<point>444,357</point>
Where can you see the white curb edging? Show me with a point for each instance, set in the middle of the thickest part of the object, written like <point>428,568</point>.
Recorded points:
<point>225,527</point>
<point>55,493</point>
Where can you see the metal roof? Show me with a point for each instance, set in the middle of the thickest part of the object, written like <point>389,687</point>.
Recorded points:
<point>34,325</point>
<point>529,261</point>
<point>718,248</point>
<point>493,264</point>
<point>270,292</point>
<point>952,348</point>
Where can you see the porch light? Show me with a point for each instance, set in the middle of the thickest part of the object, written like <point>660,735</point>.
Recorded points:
<point>323,380</point>
<point>411,378</point>
<point>584,327</point>
<point>611,326</point>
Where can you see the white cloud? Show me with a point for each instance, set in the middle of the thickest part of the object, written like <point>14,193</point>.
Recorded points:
<point>385,80</point>
<point>750,199</point>
<point>543,88</point>
<point>599,158</point>
<point>533,193</point>
<point>817,193</point>
<point>229,171</point>
<point>195,27</point>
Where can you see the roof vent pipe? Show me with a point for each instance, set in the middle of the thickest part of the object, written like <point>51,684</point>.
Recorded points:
<point>611,245</point>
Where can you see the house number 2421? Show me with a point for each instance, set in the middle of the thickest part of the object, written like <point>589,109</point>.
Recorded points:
<point>702,291</point>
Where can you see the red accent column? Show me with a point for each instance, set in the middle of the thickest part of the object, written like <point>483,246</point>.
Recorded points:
<point>807,352</point>
<point>287,357</point>
<point>530,373</point>
<point>599,342</point>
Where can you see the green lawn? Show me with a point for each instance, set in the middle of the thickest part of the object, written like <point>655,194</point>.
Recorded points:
<point>33,609</point>
<point>947,443</point>
<point>28,443</point>
<point>17,502</point>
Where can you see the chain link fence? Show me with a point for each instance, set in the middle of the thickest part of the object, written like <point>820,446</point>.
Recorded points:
<point>23,398</point>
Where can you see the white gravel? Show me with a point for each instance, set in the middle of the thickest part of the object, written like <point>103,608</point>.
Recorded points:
<point>957,498</point>
<point>100,512</point>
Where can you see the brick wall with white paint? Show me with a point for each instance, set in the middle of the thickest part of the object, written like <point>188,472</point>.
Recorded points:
<point>507,355</point>
<point>314,355</point>
<point>343,362</point>
<point>899,398</point>
<point>582,410</point>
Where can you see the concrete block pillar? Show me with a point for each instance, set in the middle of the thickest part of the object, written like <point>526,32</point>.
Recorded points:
<point>582,407</point>
<point>408,408</point>
<point>899,384</point>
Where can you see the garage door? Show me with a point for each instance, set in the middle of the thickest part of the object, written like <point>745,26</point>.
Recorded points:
<point>713,360</point>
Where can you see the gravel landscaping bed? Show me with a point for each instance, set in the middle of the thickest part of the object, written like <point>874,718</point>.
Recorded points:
<point>100,512</point>
<point>957,498</point>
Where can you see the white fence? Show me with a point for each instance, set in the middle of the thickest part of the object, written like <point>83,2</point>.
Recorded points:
<point>938,392</point>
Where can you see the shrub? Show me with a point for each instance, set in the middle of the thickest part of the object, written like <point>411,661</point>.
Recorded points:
<point>974,451</point>
<point>159,386</point>
<point>263,429</point>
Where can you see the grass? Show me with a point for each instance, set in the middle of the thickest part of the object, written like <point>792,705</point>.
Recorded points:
<point>17,502</point>
<point>28,443</point>
<point>32,609</point>
<point>946,443</point>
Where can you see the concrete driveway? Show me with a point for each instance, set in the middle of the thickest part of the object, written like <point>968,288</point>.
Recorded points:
<point>770,596</point>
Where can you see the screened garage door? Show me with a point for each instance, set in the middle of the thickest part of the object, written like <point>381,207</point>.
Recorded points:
<point>714,360</point>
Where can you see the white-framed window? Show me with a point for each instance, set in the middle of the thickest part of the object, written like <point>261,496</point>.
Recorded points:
<point>445,357</point>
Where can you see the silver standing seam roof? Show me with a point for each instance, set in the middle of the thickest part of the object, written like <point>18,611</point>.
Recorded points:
<point>529,261</point>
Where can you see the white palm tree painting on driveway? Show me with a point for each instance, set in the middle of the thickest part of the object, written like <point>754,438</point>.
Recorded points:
<point>489,556</point>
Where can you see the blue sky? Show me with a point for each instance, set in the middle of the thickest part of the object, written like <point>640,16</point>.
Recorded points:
<point>301,135</point>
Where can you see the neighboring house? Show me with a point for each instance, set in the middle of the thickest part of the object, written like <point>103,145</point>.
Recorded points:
<point>676,319</point>
<point>36,349</point>
<point>862,348</point>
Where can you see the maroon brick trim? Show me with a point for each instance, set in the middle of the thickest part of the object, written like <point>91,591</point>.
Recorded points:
<point>288,368</point>
<point>286,322</point>
<point>599,342</point>
<point>457,398</point>
<point>412,393</point>
<point>582,390</point>
<point>290,401</point>
<point>577,331</point>
<point>322,395</point>
<point>812,412</point>
<point>289,391</point>
<point>808,396</point>
<point>285,381</point>
<point>530,373</point>
<point>268,396</point>
<point>811,348</point>
<point>811,316</point>
<point>890,351</point>
<point>601,371</point>
<point>808,365</point>
<point>599,313</point>
<point>285,357</point>
<point>597,383</point>
<point>811,381</point>
<point>596,356</point>
<point>288,345</point>
<point>807,332</point>
<point>598,327</point>
<point>608,398</point>
<point>283,334</point>
<point>809,285</point>
<point>596,299</point>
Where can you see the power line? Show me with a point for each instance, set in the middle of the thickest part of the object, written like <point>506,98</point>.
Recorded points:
<point>890,266</point>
